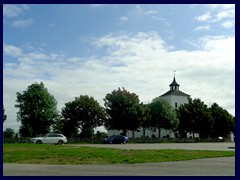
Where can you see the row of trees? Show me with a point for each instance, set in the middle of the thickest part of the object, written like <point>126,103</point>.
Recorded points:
<point>122,111</point>
<point>197,117</point>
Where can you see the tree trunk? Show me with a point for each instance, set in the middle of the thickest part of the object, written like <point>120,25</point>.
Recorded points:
<point>159,132</point>
<point>124,132</point>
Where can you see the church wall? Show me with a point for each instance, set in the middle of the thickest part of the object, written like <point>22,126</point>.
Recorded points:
<point>176,99</point>
<point>179,100</point>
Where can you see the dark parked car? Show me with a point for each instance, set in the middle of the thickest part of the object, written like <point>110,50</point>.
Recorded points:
<point>115,139</point>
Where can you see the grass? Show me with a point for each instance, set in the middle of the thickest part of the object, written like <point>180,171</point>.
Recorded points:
<point>55,154</point>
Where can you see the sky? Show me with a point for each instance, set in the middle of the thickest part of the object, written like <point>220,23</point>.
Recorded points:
<point>93,49</point>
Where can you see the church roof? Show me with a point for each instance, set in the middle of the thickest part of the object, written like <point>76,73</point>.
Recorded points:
<point>175,92</point>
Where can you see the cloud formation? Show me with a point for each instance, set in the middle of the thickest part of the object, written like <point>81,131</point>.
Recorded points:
<point>22,23</point>
<point>203,17</point>
<point>216,13</point>
<point>139,62</point>
<point>123,18</point>
<point>138,48</point>
<point>14,13</point>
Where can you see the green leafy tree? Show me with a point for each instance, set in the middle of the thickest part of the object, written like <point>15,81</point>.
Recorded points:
<point>101,135</point>
<point>223,122</point>
<point>185,122</point>
<point>57,127</point>
<point>8,133</point>
<point>125,112</point>
<point>146,117</point>
<point>37,110</point>
<point>195,117</point>
<point>4,115</point>
<point>83,113</point>
<point>162,115</point>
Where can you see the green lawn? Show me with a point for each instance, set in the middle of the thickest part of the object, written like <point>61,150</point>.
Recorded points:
<point>56,154</point>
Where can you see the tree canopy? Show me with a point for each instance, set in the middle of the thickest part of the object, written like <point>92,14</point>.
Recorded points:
<point>162,115</point>
<point>195,117</point>
<point>8,133</point>
<point>37,110</point>
<point>124,110</point>
<point>223,122</point>
<point>83,113</point>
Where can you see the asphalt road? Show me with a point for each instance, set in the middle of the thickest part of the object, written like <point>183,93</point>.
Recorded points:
<point>202,167</point>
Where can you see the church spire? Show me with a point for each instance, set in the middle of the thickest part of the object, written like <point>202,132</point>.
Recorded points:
<point>174,85</point>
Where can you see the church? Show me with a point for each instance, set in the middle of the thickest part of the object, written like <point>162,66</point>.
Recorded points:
<point>175,97</point>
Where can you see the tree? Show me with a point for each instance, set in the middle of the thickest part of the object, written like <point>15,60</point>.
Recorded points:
<point>125,112</point>
<point>223,122</point>
<point>195,117</point>
<point>162,115</point>
<point>8,133</point>
<point>57,127</point>
<point>83,113</point>
<point>37,110</point>
<point>4,115</point>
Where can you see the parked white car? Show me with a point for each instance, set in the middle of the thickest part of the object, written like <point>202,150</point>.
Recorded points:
<point>50,139</point>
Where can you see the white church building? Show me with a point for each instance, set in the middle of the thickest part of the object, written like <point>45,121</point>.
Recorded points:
<point>175,97</point>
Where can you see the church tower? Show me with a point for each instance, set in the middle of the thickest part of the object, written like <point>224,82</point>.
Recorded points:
<point>174,85</point>
<point>174,96</point>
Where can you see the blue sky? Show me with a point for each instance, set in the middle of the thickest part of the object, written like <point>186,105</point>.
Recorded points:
<point>92,49</point>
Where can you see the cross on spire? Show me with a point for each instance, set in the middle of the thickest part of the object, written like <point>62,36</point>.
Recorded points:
<point>174,85</point>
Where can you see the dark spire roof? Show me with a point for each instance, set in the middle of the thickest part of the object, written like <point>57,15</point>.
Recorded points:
<point>174,89</point>
<point>174,83</point>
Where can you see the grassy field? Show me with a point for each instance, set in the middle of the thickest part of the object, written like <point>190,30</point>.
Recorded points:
<point>55,154</point>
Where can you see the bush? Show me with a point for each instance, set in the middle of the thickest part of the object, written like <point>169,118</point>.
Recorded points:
<point>175,140</point>
<point>15,140</point>
<point>144,139</point>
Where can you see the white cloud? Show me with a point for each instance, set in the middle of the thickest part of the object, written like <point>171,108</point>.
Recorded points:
<point>12,50</point>
<point>141,11</point>
<point>221,6</point>
<point>139,62</point>
<point>22,23</point>
<point>162,20</point>
<point>204,17</point>
<point>94,6</point>
<point>219,43</point>
<point>225,14</point>
<point>13,15</point>
<point>228,24</point>
<point>36,56</point>
<point>217,13</point>
<point>123,18</point>
<point>202,28</point>
<point>12,11</point>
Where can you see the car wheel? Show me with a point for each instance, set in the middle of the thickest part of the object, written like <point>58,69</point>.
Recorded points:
<point>38,142</point>
<point>60,142</point>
